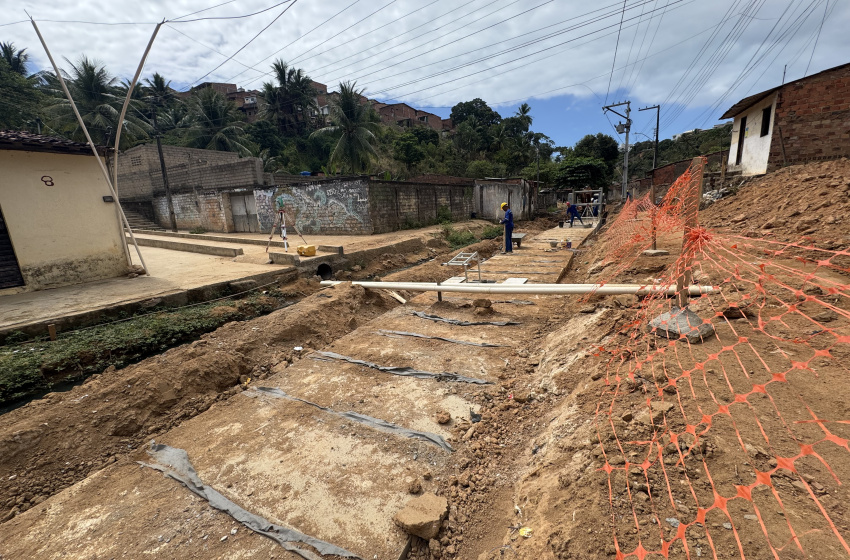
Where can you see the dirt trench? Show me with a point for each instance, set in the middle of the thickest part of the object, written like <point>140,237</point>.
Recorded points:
<point>54,442</point>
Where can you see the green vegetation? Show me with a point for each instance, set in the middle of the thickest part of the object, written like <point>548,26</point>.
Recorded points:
<point>28,368</point>
<point>292,134</point>
<point>690,145</point>
<point>458,239</point>
<point>492,232</point>
<point>197,230</point>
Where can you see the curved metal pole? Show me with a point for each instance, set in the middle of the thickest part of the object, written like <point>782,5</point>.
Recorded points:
<point>127,103</point>
<point>91,145</point>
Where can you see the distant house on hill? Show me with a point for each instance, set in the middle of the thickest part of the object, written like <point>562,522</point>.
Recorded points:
<point>804,120</point>
<point>59,224</point>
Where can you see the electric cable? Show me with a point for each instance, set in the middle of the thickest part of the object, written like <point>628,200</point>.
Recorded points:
<point>616,47</point>
<point>260,32</point>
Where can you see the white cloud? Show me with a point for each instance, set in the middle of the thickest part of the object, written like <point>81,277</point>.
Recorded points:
<point>685,27</point>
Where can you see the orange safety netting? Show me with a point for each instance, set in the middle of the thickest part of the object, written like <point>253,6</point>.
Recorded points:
<point>735,446</point>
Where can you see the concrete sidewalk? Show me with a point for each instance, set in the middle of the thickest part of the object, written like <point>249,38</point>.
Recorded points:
<point>173,273</point>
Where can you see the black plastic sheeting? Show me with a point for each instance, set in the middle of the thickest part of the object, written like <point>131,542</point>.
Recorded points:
<point>375,423</point>
<point>174,463</point>
<point>394,334</point>
<point>403,371</point>
<point>463,323</point>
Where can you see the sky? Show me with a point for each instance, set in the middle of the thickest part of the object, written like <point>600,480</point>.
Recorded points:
<point>565,58</point>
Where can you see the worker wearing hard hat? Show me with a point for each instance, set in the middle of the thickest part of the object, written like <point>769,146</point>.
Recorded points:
<point>508,220</point>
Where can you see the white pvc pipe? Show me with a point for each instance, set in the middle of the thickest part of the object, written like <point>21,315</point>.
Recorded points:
<point>542,289</point>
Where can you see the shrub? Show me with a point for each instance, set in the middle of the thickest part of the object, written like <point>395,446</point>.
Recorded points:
<point>197,230</point>
<point>444,215</point>
<point>457,239</point>
<point>492,232</point>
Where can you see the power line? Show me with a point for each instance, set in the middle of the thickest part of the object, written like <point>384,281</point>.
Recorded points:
<point>817,38</point>
<point>447,44</point>
<point>206,9</point>
<point>297,39</point>
<point>515,47</point>
<point>579,84</point>
<point>358,22</point>
<point>249,42</point>
<point>531,54</point>
<point>595,19</point>
<point>616,47</point>
<point>395,37</point>
<point>382,62</point>
<point>368,32</point>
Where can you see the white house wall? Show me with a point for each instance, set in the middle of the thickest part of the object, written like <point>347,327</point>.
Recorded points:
<point>62,230</point>
<point>756,147</point>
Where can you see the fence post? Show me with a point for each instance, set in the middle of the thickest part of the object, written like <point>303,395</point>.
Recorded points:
<point>690,212</point>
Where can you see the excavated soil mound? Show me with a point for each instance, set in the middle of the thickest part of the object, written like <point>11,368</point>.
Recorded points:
<point>795,202</point>
<point>58,440</point>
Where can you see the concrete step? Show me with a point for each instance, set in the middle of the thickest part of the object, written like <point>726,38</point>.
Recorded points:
<point>138,221</point>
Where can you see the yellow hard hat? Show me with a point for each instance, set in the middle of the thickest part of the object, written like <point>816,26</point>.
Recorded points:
<point>504,205</point>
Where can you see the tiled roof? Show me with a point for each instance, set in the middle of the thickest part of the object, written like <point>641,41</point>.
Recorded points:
<point>20,140</point>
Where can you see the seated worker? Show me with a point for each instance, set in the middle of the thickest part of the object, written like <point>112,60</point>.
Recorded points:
<point>508,220</point>
<point>572,214</point>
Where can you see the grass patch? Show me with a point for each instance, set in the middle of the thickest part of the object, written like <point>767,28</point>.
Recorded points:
<point>33,367</point>
<point>197,230</point>
<point>457,239</point>
<point>492,232</point>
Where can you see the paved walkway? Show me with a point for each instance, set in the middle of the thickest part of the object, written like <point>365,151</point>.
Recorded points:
<point>171,272</point>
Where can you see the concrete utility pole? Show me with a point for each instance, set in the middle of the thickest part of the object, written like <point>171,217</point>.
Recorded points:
<point>652,177</point>
<point>623,127</point>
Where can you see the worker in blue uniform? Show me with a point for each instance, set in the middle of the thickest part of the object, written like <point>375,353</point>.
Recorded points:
<point>572,214</point>
<point>508,220</point>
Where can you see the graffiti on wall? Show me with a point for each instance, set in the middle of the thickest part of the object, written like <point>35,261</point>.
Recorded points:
<point>337,207</point>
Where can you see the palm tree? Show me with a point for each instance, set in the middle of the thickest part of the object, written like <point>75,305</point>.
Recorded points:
<point>289,102</point>
<point>17,59</point>
<point>355,124</point>
<point>98,98</point>
<point>523,113</point>
<point>215,124</point>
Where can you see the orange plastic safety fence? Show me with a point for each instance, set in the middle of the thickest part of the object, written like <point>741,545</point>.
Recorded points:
<point>736,445</point>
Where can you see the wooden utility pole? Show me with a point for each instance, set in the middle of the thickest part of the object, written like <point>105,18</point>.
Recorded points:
<point>652,177</point>
<point>691,217</point>
<point>168,202</point>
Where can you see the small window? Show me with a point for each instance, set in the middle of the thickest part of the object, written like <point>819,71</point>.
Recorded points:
<point>765,121</point>
<point>135,161</point>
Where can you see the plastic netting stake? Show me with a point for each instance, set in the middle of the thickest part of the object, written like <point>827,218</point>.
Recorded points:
<point>691,212</point>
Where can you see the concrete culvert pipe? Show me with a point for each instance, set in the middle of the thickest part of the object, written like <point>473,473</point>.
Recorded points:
<point>325,272</point>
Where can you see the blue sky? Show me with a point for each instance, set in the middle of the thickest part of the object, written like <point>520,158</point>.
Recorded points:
<point>563,57</point>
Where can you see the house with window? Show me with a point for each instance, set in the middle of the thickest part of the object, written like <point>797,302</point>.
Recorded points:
<point>59,221</point>
<point>797,122</point>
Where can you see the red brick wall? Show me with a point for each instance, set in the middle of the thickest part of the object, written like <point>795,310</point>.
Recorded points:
<point>812,119</point>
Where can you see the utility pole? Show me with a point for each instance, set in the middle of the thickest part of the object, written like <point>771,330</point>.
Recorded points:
<point>652,177</point>
<point>537,185</point>
<point>623,127</point>
<point>168,202</point>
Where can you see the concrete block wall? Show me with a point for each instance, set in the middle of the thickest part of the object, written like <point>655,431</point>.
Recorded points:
<point>811,120</point>
<point>208,209</point>
<point>140,175</point>
<point>396,205</point>
<point>490,195</point>
<point>331,207</point>
<point>146,158</point>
